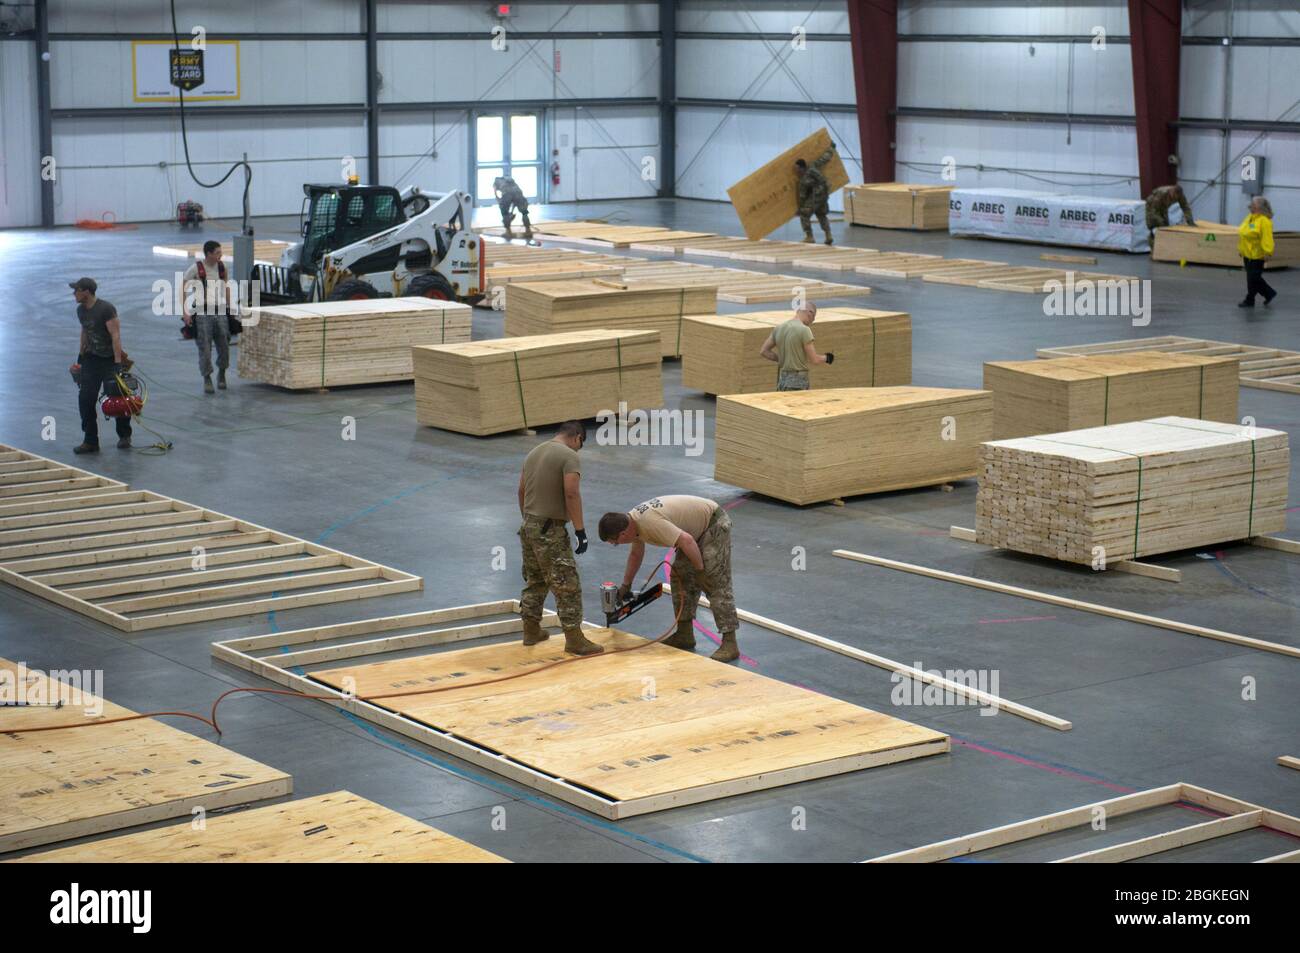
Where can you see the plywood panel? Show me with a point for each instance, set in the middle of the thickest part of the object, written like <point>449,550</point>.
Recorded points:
<point>595,724</point>
<point>57,785</point>
<point>331,828</point>
<point>1213,243</point>
<point>767,198</point>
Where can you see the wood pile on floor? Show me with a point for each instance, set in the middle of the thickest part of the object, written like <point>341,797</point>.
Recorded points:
<point>1213,243</point>
<point>720,353</point>
<point>1132,490</point>
<point>1070,393</point>
<point>551,307</point>
<point>738,285</point>
<point>605,235</point>
<point>811,446</point>
<point>332,343</point>
<point>1267,368</point>
<point>266,250</point>
<point>897,205</point>
<point>487,387</point>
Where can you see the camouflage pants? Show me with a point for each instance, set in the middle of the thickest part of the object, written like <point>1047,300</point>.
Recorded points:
<point>508,214</point>
<point>549,566</point>
<point>792,380</point>
<point>806,213</point>
<point>714,580</point>
<point>207,329</point>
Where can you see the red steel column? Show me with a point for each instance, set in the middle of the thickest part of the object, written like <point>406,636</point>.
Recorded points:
<point>873,34</point>
<point>1156,35</point>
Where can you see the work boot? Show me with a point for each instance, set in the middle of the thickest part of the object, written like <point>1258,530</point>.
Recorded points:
<point>221,378</point>
<point>575,643</point>
<point>829,240</point>
<point>534,633</point>
<point>683,638</point>
<point>728,650</point>
<point>508,232</point>
<point>86,448</point>
<point>124,443</point>
<point>808,238</point>
<point>207,384</point>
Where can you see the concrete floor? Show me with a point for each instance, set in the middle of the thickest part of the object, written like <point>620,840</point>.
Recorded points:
<point>1149,707</point>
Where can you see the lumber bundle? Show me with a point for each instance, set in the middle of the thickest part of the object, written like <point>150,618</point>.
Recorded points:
<point>551,307</point>
<point>331,343</point>
<point>810,446</point>
<point>1132,489</point>
<point>897,205</point>
<point>737,285</point>
<point>603,235</point>
<point>487,387</point>
<point>1267,368</point>
<point>720,353</point>
<point>1069,393</point>
<point>265,250</point>
<point>767,198</point>
<point>1214,243</point>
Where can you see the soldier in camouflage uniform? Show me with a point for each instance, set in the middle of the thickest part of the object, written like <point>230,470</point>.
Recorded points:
<point>549,496</point>
<point>814,195</point>
<point>700,532</point>
<point>1158,204</point>
<point>509,197</point>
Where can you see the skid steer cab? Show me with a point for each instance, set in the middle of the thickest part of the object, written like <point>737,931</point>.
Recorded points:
<point>371,241</point>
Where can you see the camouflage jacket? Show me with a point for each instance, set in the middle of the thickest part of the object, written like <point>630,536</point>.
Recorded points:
<point>1159,201</point>
<point>813,187</point>
<point>511,192</point>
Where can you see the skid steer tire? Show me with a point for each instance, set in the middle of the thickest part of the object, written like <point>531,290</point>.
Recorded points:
<point>430,286</point>
<point>354,289</point>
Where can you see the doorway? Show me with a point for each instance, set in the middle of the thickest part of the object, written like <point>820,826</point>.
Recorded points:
<point>508,144</point>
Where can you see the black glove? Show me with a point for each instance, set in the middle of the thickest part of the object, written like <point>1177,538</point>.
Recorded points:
<point>830,358</point>
<point>624,593</point>
<point>582,542</point>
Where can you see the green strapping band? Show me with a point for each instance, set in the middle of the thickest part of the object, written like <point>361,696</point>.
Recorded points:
<point>618,344</point>
<point>1137,513</point>
<point>519,382</point>
<point>324,324</point>
<point>681,313</point>
<point>1200,401</point>
<point>1250,519</point>
<point>873,351</point>
<point>1105,410</point>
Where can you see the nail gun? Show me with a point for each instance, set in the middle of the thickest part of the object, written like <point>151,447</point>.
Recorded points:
<point>616,611</point>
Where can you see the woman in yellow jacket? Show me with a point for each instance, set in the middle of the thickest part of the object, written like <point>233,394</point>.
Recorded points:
<point>1256,246</point>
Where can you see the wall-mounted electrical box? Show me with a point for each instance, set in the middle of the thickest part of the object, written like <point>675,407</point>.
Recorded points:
<point>1252,175</point>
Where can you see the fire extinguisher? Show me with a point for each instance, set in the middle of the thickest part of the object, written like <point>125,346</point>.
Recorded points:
<point>555,173</point>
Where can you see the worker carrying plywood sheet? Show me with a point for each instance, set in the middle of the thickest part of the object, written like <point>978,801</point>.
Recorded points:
<point>798,181</point>
<point>699,530</point>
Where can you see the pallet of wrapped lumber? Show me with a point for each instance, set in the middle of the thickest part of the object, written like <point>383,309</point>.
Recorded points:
<point>767,198</point>
<point>487,387</point>
<point>1214,243</point>
<point>332,343</point>
<point>1069,393</point>
<point>816,445</point>
<point>720,353</point>
<point>550,307</point>
<point>897,205</point>
<point>1129,490</point>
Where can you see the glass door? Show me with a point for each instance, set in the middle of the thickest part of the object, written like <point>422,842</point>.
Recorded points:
<point>507,144</point>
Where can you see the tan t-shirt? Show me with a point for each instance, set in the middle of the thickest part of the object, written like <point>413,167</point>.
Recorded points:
<point>790,339</point>
<point>661,520</point>
<point>544,470</point>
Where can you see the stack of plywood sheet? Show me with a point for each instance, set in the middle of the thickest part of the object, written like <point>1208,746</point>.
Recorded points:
<point>1267,368</point>
<point>720,353</point>
<point>897,205</point>
<point>1133,489</point>
<point>1068,393</point>
<point>1213,243</point>
<point>487,387</point>
<point>736,284</point>
<point>767,198</point>
<point>330,343</point>
<point>810,446</point>
<point>550,307</point>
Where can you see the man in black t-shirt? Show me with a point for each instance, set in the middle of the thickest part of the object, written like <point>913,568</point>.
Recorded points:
<point>100,358</point>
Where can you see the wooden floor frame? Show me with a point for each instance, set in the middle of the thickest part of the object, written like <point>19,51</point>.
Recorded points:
<point>275,666</point>
<point>1267,368</point>
<point>1238,816</point>
<point>1172,625</point>
<point>89,544</point>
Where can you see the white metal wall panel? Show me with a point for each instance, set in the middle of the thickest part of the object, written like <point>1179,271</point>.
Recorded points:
<point>603,151</point>
<point>527,17</point>
<point>430,150</point>
<point>1012,17</point>
<point>762,16</point>
<point>20,190</point>
<point>1202,160</point>
<point>1256,18</point>
<point>730,69</point>
<point>134,16</point>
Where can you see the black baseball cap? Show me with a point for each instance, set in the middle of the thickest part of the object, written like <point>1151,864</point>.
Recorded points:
<point>84,284</point>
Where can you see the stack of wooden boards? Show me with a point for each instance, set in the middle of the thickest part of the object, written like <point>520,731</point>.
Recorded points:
<point>550,307</point>
<point>266,250</point>
<point>487,387</point>
<point>720,353</point>
<point>897,205</point>
<point>737,285</point>
<point>810,446</point>
<point>1133,489</point>
<point>1268,368</point>
<point>1213,243</point>
<point>506,263</point>
<point>612,236</point>
<point>1069,393</point>
<point>331,343</point>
